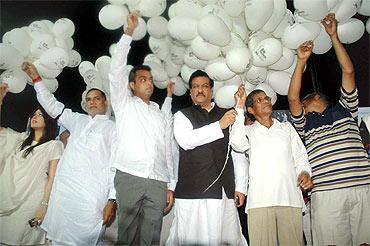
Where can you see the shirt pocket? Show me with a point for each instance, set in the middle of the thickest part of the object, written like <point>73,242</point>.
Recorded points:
<point>93,141</point>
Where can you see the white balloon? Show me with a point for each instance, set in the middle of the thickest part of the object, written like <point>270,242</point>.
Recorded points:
<point>66,44</point>
<point>204,50</point>
<point>288,20</point>
<point>368,26</point>
<point>157,70</point>
<point>85,66</point>
<point>213,30</point>
<point>140,30</point>
<point>364,8</point>
<point>55,58</point>
<point>233,7</point>
<point>224,97</point>
<point>117,2</point>
<point>257,13</point>
<point>236,80</point>
<point>279,81</point>
<point>256,37</point>
<point>186,72</point>
<point>182,28</point>
<point>20,40</point>
<point>256,75</point>
<point>298,33</point>
<point>112,49</point>
<point>93,79</point>
<point>51,84</point>
<point>239,60</point>
<point>216,86</point>
<point>322,42</point>
<point>46,72</point>
<point>346,9</point>
<point>290,69</point>
<point>177,54</point>
<point>332,3</point>
<point>160,47</point>
<point>240,28</point>
<point>38,27</point>
<point>160,84</point>
<point>218,70</point>
<point>74,58</point>
<point>276,17</point>
<point>187,8</point>
<point>179,88</point>
<point>249,87</point>
<point>350,31</point>
<point>102,65</point>
<point>63,28</point>
<point>212,9</point>
<point>41,43</point>
<point>267,52</point>
<point>152,58</point>
<point>48,23</point>
<point>113,16</point>
<point>9,57</point>
<point>285,61</point>
<point>171,68</point>
<point>157,27</point>
<point>268,90</point>
<point>208,2</point>
<point>15,78</point>
<point>236,42</point>
<point>192,61</point>
<point>314,10</point>
<point>150,8</point>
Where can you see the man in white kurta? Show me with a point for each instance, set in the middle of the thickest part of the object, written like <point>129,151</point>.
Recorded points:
<point>78,205</point>
<point>278,169</point>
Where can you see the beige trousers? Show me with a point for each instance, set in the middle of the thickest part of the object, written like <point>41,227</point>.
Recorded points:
<point>275,226</point>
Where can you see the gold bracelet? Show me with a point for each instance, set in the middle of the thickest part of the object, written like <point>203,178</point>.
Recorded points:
<point>43,203</point>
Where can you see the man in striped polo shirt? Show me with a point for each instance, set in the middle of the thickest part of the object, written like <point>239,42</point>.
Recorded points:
<point>340,199</point>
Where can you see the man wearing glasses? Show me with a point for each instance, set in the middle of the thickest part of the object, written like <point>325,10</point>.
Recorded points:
<point>278,170</point>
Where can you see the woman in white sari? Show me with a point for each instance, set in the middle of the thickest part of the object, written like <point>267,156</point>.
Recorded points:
<point>28,162</point>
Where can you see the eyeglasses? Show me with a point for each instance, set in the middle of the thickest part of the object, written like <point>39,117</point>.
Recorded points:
<point>262,99</point>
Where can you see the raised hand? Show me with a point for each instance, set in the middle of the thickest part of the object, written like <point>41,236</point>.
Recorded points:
<point>30,70</point>
<point>3,91</point>
<point>240,96</point>
<point>304,51</point>
<point>170,88</point>
<point>330,24</point>
<point>227,119</point>
<point>132,22</point>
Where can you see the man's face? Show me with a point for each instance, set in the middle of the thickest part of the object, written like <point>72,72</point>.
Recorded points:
<point>201,91</point>
<point>95,103</point>
<point>261,105</point>
<point>314,104</point>
<point>142,87</point>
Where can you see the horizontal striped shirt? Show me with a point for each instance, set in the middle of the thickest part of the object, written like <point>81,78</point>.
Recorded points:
<point>335,150</point>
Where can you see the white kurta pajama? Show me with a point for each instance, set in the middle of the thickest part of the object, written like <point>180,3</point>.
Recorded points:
<point>84,178</point>
<point>206,221</point>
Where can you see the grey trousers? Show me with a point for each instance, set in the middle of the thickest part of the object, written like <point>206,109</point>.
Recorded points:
<point>140,209</point>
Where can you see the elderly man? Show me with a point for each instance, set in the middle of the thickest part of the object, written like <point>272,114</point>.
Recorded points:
<point>209,181</point>
<point>278,168</point>
<point>340,200</point>
<point>83,194</point>
<point>146,175</point>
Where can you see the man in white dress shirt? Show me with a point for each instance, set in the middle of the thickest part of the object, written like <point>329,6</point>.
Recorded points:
<point>209,181</point>
<point>145,176</point>
<point>278,170</point>
<point>83,195</point>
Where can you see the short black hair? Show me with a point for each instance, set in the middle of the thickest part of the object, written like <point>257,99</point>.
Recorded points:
<point>131,76</point>
<point>96,89</point>
<point>200,73</point>
<point>313,94</point>
<point>249,102</point>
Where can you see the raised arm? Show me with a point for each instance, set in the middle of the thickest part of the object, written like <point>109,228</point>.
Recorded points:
<point>3,91</point>
<point>118,75</point>
<point>304,51</point>
<point>47,100</point>
<point>167,104</point>
<point>348,72</point>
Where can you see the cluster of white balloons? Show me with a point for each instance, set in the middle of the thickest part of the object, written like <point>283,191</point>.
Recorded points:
<point>234,41</point>
<point>48,45</point>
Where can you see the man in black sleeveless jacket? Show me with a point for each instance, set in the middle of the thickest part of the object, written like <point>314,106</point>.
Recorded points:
<point>208,180</point>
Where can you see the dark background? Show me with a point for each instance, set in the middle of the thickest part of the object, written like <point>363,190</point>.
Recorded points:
<point>91,40</point>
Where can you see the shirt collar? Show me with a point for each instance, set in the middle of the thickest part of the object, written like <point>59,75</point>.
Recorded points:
<point>151,103</point>
<point>99,117</point>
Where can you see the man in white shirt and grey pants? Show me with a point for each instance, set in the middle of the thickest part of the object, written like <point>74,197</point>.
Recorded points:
<point>145,177</point>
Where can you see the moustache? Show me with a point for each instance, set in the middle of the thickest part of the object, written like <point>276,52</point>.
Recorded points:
<point>200,94</point>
